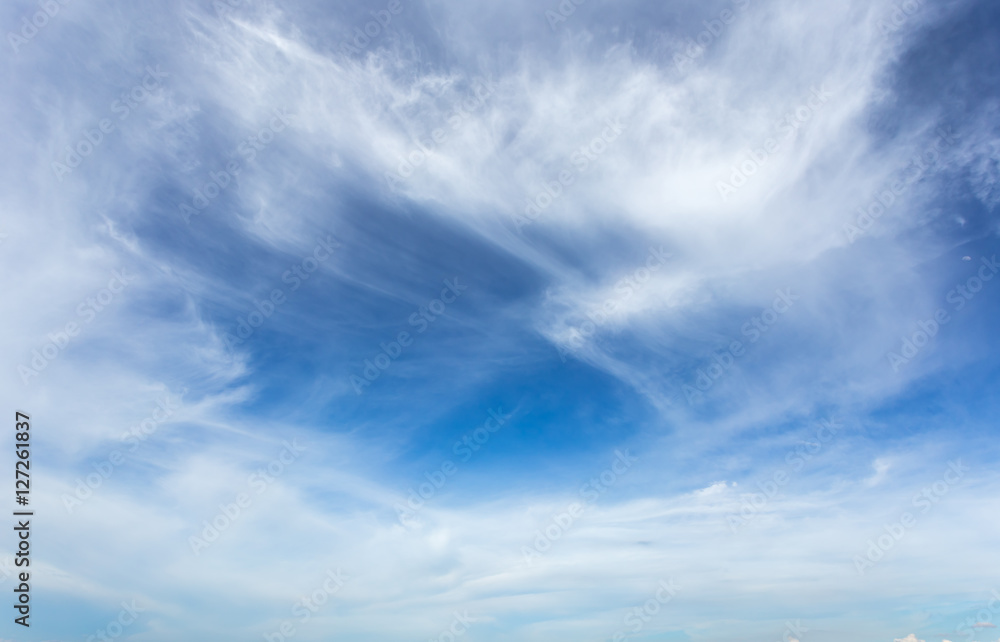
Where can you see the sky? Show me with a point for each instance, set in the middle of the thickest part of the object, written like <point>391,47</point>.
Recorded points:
<point>426,320</point>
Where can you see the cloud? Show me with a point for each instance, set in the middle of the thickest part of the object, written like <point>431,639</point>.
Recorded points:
<point>881,467</point>
<point>565,319</point>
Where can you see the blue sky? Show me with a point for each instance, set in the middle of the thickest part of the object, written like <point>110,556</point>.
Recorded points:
<point>504,320</point>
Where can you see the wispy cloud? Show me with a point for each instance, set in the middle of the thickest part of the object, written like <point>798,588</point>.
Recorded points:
<point>653,229</point>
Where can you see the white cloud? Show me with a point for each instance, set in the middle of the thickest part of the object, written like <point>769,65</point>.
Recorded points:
<point>656,185</point>
<point>881,466</point>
